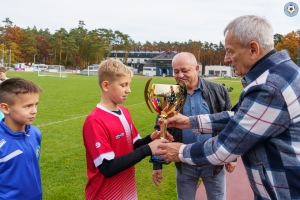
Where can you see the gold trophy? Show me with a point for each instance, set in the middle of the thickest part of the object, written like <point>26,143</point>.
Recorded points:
<point>166,100</point>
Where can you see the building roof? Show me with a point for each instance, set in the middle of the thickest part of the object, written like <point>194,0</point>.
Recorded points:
<point>134,54</point>
<point>167,55</point>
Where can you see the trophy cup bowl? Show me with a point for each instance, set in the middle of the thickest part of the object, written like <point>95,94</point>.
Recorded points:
<point>166,100</point>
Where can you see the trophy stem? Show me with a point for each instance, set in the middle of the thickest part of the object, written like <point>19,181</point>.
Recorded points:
<point>163,129</point>
<point>163,126</point>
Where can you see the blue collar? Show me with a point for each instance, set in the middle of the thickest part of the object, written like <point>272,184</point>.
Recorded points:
<point>200,87</point>
<point>270,59</point>
<point>8,131</point>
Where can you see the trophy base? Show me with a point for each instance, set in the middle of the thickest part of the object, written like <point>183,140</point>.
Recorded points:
<point>157,159</point>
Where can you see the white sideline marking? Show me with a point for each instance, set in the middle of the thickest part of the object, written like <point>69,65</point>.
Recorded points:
<point>66,120</point>
<point>135,104</point>
<point>57,122</point>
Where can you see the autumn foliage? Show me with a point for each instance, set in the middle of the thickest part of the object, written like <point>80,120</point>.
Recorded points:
<point>80,47</point>
<point>290,42</point>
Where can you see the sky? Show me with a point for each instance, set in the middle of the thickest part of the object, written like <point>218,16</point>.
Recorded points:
<point>152,20</point>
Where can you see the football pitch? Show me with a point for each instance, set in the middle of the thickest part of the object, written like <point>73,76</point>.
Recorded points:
<point>62,109</point>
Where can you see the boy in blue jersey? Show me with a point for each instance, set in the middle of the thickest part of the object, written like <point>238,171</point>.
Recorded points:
<point>19,141</point>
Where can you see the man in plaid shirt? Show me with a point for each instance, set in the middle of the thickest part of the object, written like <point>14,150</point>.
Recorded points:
<point>264,128</point>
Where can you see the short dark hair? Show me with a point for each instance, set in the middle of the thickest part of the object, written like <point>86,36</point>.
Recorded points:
<point>11,88</point>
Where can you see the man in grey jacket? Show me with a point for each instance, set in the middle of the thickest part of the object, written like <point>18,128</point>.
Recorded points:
<point>265,125</point>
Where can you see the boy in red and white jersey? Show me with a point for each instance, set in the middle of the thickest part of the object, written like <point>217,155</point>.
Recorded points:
<point>113,145</point>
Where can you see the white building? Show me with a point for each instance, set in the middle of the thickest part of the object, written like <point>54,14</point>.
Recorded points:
<point>218,70</point>
<point>20,65</point>
<point>135,59</point>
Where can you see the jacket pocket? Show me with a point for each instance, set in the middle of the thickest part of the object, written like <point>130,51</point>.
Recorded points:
<point>266,182</point>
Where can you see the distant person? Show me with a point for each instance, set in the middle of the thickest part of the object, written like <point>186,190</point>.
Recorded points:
<point>1,115</point>
<point>19,141</point>
<point>265,126</point>
<point>2,74</point>
<point>2,78</point>
<point>170,101</point>
<point>203,97</point>
<point>113,145</point>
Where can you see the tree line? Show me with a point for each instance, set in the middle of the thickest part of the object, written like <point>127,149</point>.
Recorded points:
<point>80,47</point>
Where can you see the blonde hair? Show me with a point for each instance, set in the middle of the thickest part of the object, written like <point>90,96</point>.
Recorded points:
<point>111,69</point>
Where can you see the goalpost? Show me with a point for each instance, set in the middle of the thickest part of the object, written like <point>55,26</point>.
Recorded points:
<point>91,70</point>
<point>53,70</point>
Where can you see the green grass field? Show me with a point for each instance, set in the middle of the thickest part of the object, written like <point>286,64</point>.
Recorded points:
<point>63,107</point>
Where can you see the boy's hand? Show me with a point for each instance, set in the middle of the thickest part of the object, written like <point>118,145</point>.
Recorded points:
<point>157,177</point>
<point>154,145</point>
<point>170,137</point>
<point>157,135</point>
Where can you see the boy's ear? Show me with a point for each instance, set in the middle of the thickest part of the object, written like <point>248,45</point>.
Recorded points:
<point>105,86</point>
<point>4,108</point>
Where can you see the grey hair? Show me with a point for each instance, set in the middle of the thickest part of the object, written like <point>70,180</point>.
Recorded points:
<point>251,28</point>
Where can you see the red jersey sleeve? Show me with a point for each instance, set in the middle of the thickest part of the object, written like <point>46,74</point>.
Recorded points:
<point>97,141</point>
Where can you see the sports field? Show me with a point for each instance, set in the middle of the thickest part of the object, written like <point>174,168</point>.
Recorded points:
<point>63,107</point>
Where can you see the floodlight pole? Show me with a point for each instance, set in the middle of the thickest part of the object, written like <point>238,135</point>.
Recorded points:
<point>9,57</point>
<point>18,57</point>
<point>3,57</point>
<point>34,58</point>
<point>50,58</point>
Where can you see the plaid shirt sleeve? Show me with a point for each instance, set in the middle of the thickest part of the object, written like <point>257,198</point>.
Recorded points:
<point>203,123</point>
<point>262,114</point>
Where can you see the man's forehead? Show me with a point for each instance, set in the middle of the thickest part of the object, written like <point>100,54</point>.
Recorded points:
<point>229,37</point>
<point>184,67</point>
<point>181,66</point>
<point>230,40</point>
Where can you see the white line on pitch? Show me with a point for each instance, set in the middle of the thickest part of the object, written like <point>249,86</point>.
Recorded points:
<point>135,104</point>
<point>66,120</point>
<point>57,122</point>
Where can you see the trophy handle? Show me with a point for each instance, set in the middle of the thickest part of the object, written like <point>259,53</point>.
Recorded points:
<point>147,94</point>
